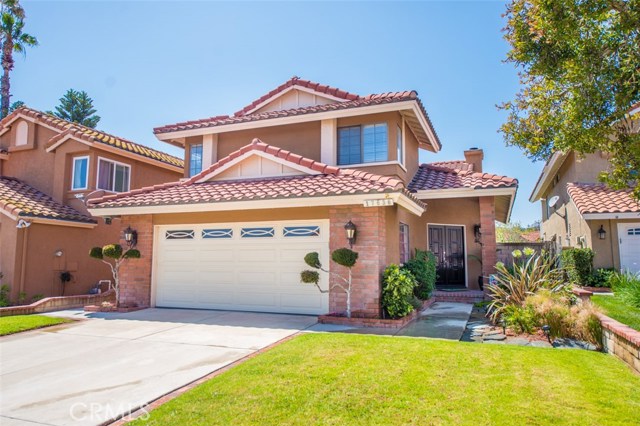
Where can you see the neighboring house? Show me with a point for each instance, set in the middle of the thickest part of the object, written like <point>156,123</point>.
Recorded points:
<point>281,178</point>
<point>49,167</point>
<point>579,212</point>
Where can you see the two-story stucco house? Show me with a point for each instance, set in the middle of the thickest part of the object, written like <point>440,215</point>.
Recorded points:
<point>281,178</point>
<point>577,211</point>
<point>49,168</point>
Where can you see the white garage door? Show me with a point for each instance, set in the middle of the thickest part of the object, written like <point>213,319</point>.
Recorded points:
<point>246,267</point>
<point>629,234</point>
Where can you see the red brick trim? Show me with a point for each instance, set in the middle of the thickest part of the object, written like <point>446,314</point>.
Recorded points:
<point>375,322</point>
<point>51,304</point>
<point>628,333</point>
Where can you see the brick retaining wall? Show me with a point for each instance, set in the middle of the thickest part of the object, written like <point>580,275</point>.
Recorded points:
<point>621,341</point>
<point>50,304</point>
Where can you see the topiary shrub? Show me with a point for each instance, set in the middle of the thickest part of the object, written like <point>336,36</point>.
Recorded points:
<point>578,265</point>
<point>113,255</point>
<point>423,268</point>
<point>344,257</point>
<point>397,291</point>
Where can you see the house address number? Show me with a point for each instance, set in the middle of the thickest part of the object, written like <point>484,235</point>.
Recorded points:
<point>381,202</point>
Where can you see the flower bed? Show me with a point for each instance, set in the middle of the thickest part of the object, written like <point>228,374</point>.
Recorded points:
<point>360,320</point>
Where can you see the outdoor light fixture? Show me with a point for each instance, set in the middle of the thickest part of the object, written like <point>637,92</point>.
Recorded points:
<point>547,332</point>
<point>350,229</point>
<point>503,324</point>
<point>107,220</point>
<point>602,234</point>
<point>477,233</point>
<point>131,237</point>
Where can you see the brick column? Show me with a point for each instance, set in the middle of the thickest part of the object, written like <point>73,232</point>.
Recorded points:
<point>488,229</point>
<point>371,247</point>
<point>135,274</point>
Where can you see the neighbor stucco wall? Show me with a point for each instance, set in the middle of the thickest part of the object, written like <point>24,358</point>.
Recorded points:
<point>563,223</point>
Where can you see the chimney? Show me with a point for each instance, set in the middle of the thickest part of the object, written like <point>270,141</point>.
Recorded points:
<point>474,156</point>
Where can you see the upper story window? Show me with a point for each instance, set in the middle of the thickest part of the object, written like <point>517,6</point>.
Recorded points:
<point>22,133</point>
<point>363,144</point>
<point>113,176</point>
<point>195,159</point>
<point>399,145</point>
<point>80,173</point>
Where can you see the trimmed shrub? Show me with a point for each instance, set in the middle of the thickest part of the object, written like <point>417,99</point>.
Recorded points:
<point>113,251</point>
<point>313,259</point>
<point>344,257</point>
<point>397,291</point>
<point>601,277</point>
<point>578,265</point>
<point>423,268</point>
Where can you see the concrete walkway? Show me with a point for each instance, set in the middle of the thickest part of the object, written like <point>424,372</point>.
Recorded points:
<point>444,320</point>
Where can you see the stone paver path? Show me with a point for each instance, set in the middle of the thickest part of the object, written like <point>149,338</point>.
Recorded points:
<point>445,320</point>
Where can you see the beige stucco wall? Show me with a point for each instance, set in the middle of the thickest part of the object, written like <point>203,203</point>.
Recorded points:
<point>564,221</point>
<point>51,173</point>
<point>304,139</point>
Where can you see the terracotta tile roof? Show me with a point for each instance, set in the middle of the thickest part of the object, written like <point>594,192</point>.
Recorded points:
<point>297,81</point>
<point>92,135</point>
<point>22,200</point>
<point>454,164</point>
<point>258,145</point>
<point>221,120</point>
<point>435,176</point>
<point>598,198</point>
<point>331,181</point>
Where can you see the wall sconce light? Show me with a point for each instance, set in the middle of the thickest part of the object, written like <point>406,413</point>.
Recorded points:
<point>350,229</point>
<point>477,233</point>
<point>131,237</point>
<point>58,253</point>
<point>602,234</point>
<point>107,220</point>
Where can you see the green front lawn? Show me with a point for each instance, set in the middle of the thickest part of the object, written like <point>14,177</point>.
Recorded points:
<point>345,379</point>
<point>18,323</point>
<point>618,310</point>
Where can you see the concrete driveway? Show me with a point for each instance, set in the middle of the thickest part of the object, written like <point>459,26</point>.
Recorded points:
<point>108,364</point>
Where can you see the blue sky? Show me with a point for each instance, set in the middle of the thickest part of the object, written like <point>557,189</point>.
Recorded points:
<point>151,63</point>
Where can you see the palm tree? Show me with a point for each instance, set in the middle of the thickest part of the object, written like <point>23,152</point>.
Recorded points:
<point>13,40</point>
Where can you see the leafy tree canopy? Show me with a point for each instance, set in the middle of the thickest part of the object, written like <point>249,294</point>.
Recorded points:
<point>76,106</point>
<point>579,63</point>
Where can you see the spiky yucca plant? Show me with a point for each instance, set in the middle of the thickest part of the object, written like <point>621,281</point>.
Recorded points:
<point>514,285</point>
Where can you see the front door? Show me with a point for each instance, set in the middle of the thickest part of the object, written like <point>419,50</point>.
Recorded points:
<point>447,244</point>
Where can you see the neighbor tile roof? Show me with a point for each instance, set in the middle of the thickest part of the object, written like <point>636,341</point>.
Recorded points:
<point>331,181</point>
<point>437,176</point>
<point>297,81</point>
<point>221,120</point>
<point>93,135</point>
<point>598,198</point>
<point>19,199</point>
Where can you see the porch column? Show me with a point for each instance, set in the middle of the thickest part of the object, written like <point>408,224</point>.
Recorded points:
<point>488,229</point>
<point>371,247</point>
<point>135,274</point>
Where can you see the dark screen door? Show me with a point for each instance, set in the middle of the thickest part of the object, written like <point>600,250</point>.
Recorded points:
<point>447,244</point>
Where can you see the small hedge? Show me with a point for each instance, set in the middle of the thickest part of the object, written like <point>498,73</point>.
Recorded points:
<point>423,268</point>
<point>578,265</point>
<point>397,291</point>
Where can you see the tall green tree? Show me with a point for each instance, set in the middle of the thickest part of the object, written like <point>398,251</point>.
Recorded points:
<point>77,106</point>
<point>579,63</point>
<point>13,40</point>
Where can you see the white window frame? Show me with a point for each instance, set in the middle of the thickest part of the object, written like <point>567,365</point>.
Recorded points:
<point>73,173</point>
<point>362,126</point>
<point>400,142</point>
<point>201,145</point>
<point>114,175</point>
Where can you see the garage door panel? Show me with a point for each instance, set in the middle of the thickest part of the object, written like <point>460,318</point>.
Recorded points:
<point>236,273</point>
